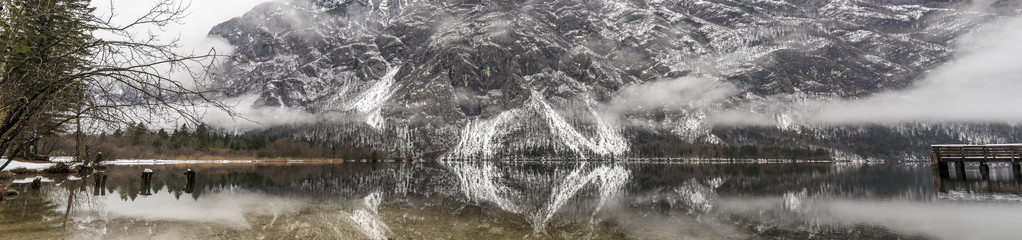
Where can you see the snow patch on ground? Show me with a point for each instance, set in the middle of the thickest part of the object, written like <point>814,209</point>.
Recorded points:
<point>63,159</point>
<point>27,165</point>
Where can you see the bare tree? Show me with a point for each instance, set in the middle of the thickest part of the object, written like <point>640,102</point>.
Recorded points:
<point>123,76</point>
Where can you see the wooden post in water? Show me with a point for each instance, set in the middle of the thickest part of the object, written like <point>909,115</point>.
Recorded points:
<point>102,186</point>
<point>941,168</point>
<point>984,170</point>
<point>960,169</point>
<point>147,182</point>
<point>1016,170</point>
<point>95,190</point>
<point>37,183</point>
<point>190,178</point>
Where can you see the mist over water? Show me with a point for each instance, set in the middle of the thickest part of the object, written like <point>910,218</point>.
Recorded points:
<point>546,200</point>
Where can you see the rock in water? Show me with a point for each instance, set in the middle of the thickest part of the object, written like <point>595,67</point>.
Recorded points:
<point>37,183</point>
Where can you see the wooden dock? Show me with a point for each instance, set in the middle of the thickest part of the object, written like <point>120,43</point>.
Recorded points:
<point>959,154</point>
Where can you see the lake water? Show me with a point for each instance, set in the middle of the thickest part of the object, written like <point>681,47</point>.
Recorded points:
<point>521,200</point>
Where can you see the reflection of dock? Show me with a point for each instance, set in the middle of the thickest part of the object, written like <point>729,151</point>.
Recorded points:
<point>944,156</point>
<point>945,185</point>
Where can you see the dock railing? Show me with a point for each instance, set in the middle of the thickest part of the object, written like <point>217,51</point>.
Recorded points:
<point>944,154</point>
<point>990,152</point>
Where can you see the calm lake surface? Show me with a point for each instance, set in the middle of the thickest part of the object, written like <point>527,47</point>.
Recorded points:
<point>516,200</point>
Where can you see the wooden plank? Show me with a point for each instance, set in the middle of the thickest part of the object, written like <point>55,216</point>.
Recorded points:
<point>988,152</point>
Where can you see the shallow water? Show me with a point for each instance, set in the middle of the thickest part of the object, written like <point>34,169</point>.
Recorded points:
<point>516,200</point>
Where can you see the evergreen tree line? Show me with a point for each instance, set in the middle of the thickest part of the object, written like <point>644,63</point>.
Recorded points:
<point>201,142</point>
<point>719,151</point>
<point>653,145</point>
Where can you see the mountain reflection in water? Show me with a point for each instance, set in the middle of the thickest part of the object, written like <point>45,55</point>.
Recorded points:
<point>515,200</point>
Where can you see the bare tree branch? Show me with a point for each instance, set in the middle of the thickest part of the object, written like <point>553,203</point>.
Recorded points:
<point>126,78</point>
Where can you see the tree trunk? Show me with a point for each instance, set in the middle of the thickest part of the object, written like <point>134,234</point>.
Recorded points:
<point>78,141</point>
<point>4,144</point>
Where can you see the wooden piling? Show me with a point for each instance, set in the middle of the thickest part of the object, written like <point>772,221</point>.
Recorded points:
<point>102,186</point>
<point>147,182</point>
<point>940,169</point>
<point>944,171</point>
<point>984,170</point>
<point>960,169</point>
<point>190,179</point>
<point>1016,171</point>
<point>37,183</point>
<point>99,181</point>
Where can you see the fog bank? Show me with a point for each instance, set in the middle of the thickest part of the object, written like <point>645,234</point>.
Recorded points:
<point>983,84</point>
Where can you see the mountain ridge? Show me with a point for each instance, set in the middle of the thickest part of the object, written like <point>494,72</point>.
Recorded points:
<point>499,78</point>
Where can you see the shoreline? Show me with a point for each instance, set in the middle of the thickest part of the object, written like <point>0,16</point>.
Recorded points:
<point>265,161</point>
<point>41,167</point>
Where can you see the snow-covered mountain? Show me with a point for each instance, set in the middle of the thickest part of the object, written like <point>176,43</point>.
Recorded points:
<point>576,78</point>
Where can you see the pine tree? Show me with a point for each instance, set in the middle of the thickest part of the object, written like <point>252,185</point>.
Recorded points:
<point>163,134</point>
<point>42,52</point>
<point>137,133</point>
<point>53,70</point>
<point>201,137</point>
<point>180,137</point>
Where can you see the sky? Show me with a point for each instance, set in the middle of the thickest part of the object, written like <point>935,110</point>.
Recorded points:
<point>192,35</point>
<point>192,31</point>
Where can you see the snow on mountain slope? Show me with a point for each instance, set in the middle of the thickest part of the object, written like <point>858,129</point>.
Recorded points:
<point>479,78</point>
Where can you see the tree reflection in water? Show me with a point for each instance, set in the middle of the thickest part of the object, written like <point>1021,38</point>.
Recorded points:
<point>473,200</point>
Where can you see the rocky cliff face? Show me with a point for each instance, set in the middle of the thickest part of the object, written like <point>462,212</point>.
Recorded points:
<point>492,78</point>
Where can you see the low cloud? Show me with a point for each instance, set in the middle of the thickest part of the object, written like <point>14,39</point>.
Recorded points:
<point>981,85</point>
<point>252,117</point>
<point>984,84</point>
<point>668,94</point>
